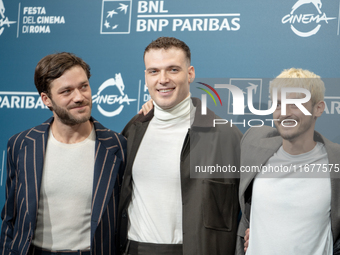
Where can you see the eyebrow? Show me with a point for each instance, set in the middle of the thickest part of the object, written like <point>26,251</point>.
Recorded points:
<point>168,67</point>
<point>172,66</point>
<point>70,86</point>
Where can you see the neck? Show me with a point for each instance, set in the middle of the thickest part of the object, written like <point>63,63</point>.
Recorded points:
<point>298,146</point>
<point>175,113</point>
<point>71,134</point>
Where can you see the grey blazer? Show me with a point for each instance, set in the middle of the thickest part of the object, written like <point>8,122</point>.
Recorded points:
<point>257,146</point>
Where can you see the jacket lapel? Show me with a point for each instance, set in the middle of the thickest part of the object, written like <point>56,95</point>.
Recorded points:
<point>333,155</point>
<point>36,141</point>
<point>134,139</point>
<point>134,133</point>
<point>256,154</point>
<point>105,173</point>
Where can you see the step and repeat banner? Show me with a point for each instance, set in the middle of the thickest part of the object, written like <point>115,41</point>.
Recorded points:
<point>245,43</point>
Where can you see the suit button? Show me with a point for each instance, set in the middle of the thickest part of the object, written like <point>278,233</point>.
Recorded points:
<point>124,215</point>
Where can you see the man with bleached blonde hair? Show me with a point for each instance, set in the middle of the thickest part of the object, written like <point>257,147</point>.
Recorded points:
<point>291,204</point>
<point>307,80</point>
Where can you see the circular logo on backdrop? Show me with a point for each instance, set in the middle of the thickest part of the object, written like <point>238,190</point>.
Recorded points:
<point>110,98</point>
<point>4,22</point>
<point>306,17</point>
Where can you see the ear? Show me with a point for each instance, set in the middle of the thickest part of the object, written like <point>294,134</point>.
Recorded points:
<point>319,108</point>
<point>145,78</point>
<point>46,100</point>
<point>191,72</point>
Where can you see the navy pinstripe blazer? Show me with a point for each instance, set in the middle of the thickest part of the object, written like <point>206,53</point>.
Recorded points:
<point>25,159</point>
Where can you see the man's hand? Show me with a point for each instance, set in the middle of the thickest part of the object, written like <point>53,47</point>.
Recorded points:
<point>246,238</point>
<point>146,107</point>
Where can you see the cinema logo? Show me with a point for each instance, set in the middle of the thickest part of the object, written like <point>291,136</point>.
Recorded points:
<point>300,21</point>
<point>4,22</point>
<point>110,98</point>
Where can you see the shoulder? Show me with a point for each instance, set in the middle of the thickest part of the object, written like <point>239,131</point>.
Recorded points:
<point>329,145</point>
<point>103,133</point>
<point>110,140</point>
<point>19,137</point>
<point>137,119</point>
<point>128,126</point>
<point>18,141</point>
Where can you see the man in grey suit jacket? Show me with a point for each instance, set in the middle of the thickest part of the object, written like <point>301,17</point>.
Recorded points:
<point>63,176</point>
<point>289,187</point>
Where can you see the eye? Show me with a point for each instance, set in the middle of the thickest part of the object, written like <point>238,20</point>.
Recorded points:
<point>152,71</point>
<point>85,86</point>
<point>174,70</point>
<point>66,92</point>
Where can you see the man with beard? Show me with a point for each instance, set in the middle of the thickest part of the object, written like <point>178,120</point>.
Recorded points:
<point>63,176</point>
<point>294,211</point>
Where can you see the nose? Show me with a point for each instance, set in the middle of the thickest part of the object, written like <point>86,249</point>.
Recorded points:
<point>163,77</point>
<point>289,108</point>
<point>288,111</point>
<point>78,96</point>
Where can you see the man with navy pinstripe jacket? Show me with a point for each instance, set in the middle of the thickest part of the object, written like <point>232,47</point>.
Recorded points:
<point>63,176</point>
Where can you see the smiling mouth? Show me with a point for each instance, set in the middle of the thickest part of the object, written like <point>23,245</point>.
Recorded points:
<point>288,123</point>
<point>165,90</point>
<point>79,106</point>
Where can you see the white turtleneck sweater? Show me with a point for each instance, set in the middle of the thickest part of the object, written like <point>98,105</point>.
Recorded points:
<point>155,211</point>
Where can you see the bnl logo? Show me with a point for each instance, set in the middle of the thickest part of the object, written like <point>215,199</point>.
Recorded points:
<point>238,88</point>
<point>116,17</point>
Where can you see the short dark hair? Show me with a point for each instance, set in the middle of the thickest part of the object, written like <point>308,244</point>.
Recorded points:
<point>167,43</point>
<point>53,66</point>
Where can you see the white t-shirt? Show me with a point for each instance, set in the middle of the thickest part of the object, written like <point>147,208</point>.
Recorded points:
<point>291,215</point>
<point>64,212</point>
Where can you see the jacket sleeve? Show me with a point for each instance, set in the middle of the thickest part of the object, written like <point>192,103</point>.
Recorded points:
<point>9,213</point>
<point>123,143</point>
<point>244,223</point>
<point>336,247</point>
<point>242,227</point>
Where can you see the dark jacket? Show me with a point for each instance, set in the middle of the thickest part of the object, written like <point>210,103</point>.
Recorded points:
<point>25,160</point>
<point>210,205</point>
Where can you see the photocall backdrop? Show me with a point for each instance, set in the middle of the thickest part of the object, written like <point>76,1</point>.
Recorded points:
<point>245,43</point>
